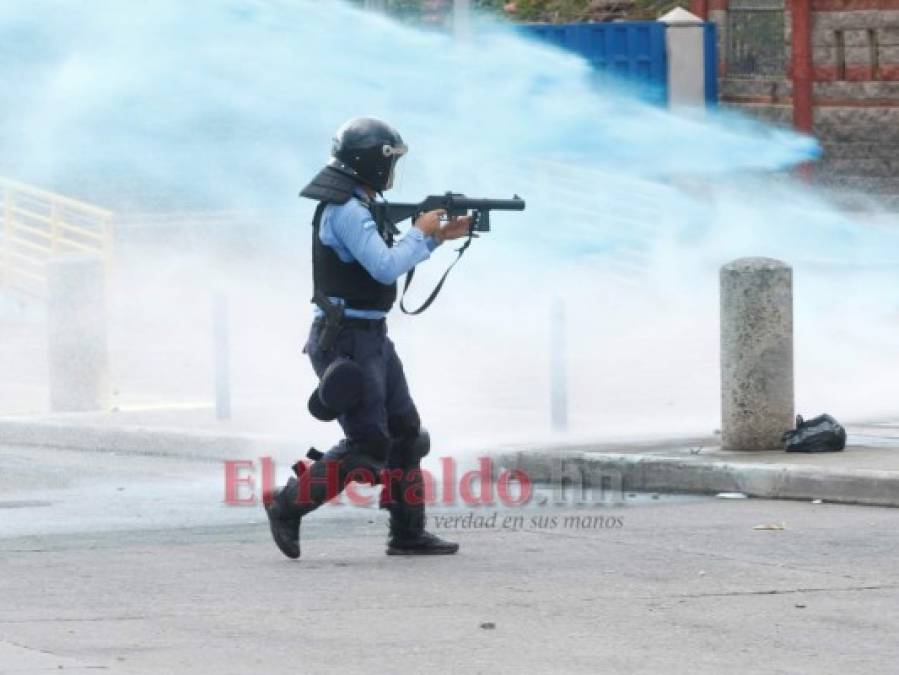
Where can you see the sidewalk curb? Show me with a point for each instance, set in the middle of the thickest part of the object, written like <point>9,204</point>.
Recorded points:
<point>148,441</point>
<point>654,473</point>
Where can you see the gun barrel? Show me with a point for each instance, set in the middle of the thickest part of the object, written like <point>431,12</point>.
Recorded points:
<point>469,204</point>
<point>455,204</point>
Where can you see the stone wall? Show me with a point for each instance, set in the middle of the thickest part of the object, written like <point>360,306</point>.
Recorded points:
<point>855,51</point>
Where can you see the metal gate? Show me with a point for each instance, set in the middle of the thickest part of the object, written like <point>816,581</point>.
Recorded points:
<point>633,51</point>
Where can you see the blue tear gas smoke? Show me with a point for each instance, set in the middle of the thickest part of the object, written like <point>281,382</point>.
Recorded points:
<point>230,105</point>
<point>194,102</point>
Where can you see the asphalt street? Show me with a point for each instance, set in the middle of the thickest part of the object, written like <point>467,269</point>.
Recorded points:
<point>127,564</point>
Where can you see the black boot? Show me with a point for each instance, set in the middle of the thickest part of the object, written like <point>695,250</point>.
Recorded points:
<point>407,519</point>
<point>284,518</point>
<point>318,483</point>
<point>417,542</point>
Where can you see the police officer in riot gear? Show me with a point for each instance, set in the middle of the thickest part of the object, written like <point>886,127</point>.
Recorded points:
<point>356,263</point>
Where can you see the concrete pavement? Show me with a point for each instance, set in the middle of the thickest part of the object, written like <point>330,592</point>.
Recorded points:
<point>135,566</point>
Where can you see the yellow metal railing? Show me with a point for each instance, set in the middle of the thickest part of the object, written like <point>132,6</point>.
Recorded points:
<point>36,225</point>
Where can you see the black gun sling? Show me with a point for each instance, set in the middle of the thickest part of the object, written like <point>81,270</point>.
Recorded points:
<point>411,274</point>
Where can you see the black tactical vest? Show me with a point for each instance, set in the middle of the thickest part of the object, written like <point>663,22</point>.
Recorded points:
<point>349,281</point>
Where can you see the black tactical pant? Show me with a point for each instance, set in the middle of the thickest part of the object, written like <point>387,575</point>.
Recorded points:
<point>386,410</point>
<point>383,431</point>
<point>384,438</point>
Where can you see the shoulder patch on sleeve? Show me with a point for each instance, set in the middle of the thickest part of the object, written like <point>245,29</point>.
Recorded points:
<point>356,211</point>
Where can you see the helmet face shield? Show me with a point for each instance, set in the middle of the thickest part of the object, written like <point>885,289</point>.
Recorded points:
<point>395,153</point>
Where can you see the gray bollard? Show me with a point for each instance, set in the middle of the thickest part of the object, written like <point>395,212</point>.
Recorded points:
<point>756,353</point>
<point>76,333</point>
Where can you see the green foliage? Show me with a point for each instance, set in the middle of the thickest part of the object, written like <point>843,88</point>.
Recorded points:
<point>650,10</point>
<point>551,11</point>
<point>568,11</point>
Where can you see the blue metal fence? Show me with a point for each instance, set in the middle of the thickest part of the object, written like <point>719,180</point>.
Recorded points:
<point>633,51</point>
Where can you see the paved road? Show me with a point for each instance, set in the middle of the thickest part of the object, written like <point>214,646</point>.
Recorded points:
<point>133,565</point>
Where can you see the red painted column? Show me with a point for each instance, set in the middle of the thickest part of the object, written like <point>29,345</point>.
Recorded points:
<point>700,8</point>
<point>801,67</point>
<point>801,13</point>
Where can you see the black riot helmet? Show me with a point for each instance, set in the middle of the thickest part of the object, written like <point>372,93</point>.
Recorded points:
<point>368,149</point>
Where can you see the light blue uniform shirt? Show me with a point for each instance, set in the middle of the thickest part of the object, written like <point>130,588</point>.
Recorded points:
<point>351,231</point>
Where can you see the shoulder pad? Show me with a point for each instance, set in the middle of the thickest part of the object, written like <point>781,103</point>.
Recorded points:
<point>330,185</point>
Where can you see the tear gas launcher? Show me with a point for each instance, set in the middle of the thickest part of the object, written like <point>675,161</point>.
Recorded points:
<point>387,215</point>
<point>454,204</point>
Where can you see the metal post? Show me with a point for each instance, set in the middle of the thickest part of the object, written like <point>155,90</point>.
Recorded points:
<point>558,368</point>
<point>76,333</point>
<point>109,250</point>
<point>756,353</point>
<point>222,341</point>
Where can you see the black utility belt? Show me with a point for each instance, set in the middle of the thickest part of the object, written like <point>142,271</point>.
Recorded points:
<point>352,322</point>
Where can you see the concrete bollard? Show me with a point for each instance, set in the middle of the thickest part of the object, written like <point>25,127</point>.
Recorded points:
<point>76,333</point>
<point>756,353</point>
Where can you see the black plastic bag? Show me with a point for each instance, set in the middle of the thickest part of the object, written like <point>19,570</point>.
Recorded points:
<point>821,434</point>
